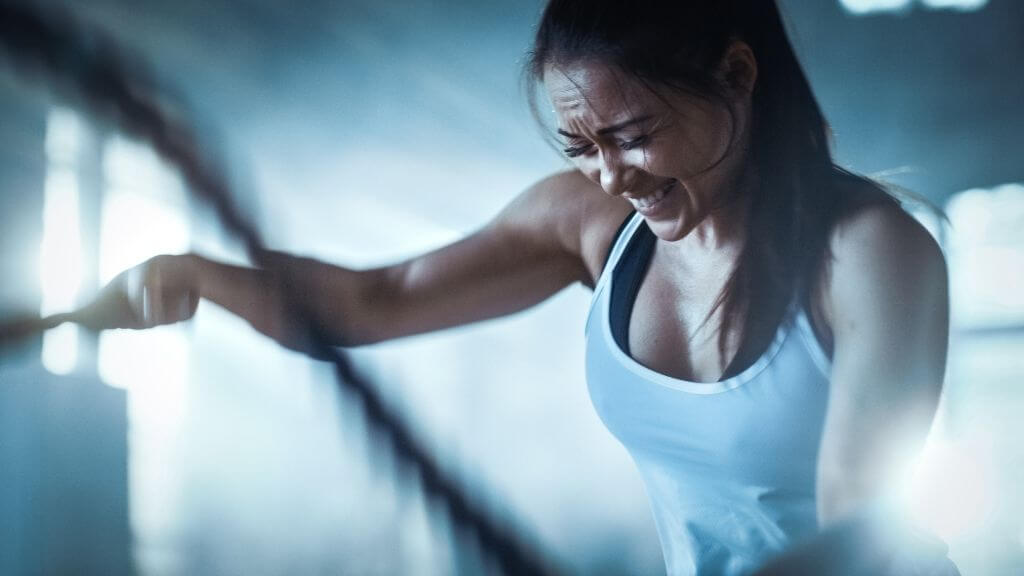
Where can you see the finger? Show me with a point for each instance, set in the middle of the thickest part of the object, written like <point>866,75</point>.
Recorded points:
<point>156,299</point>
<point>147,307</point>
<point>135,291</point>
<point>184,307</point>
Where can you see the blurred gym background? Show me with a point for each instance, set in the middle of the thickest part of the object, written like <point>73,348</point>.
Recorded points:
<point>361,132</point>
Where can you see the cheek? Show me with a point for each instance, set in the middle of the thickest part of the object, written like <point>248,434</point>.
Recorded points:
<point>697,141</point>
<point>589,166</point>
<point>690,153</point>
<point>716,136</point>
<point>669,156</point>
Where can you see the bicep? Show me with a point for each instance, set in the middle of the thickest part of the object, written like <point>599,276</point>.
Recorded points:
<point>888,305</point>
<point>526,254</point>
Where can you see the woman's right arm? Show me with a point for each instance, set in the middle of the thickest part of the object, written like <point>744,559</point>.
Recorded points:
<point>537,245</point>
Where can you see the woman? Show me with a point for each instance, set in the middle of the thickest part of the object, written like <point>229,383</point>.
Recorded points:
<point>768,331</point>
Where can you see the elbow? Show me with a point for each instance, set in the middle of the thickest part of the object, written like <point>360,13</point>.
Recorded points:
<point>358,308</point>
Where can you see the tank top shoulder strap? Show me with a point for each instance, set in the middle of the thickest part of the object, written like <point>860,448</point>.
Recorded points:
<point>625,234</point>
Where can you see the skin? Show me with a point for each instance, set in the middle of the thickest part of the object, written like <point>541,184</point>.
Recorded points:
<point>687,144</point>
<point>881,306</point>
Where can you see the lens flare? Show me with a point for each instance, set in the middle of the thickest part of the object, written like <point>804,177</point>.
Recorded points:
<point>949,489</point>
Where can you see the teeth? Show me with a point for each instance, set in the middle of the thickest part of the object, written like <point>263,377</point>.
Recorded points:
<point>651,199</point>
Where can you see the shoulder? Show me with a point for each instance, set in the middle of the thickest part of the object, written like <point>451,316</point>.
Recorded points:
<point>882,261</point>
<point>880,237</point>
<point>568,209</point>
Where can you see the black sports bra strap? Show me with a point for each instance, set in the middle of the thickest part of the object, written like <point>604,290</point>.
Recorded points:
<point>625,282</point>
<point>615,239</point>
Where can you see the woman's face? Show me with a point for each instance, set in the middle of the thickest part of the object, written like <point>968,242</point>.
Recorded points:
<point>672,155</point>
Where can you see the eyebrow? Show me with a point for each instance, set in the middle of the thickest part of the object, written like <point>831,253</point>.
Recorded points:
<point>610,129</point>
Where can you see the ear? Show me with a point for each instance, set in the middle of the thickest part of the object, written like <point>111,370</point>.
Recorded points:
<point>738,68</point>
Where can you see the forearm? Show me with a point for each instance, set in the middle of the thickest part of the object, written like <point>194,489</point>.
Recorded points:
<point>275,301</point>
<point>845,490</point>
<point>887,301</point>
<point>868,443</point>
<point>514,262</point>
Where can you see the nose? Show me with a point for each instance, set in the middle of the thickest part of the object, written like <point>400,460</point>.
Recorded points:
<point>616,176</point>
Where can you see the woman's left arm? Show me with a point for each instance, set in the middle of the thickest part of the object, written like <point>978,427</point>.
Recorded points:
<point>886,300</point>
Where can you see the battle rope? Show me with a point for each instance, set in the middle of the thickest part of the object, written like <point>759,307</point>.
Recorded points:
<point>92,67</point>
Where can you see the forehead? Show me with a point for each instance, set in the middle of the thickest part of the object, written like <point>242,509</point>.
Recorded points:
<point>595,92</point>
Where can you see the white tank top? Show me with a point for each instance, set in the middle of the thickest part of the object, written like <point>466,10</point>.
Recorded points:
<point>729,466</point>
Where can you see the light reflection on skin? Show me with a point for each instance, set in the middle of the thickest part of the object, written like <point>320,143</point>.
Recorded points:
<point>948,489</point>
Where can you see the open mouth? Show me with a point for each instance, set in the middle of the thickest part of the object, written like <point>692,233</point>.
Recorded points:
<point>647,203</point>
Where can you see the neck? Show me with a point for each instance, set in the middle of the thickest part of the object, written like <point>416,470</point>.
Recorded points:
<point>725,226</point>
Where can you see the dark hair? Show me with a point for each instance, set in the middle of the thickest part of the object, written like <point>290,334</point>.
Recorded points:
<point>678,44</point>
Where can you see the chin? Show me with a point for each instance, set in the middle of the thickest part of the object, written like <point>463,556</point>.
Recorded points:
<point>669,230</point>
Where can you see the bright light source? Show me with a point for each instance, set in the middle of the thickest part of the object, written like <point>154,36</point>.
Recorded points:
<point>142,216</point>
<point>868,6</point>
<point>136,228</point>
<point>153,363</point>
<point>962,5</point>
<point>60,349</point>
<point>144,213</point>
<point>60,253</point>
<point>64,134</point>
<point>986,256</point>
<point>60,265</point>
<point>861,7</point>
<point>948,489</point>
<point>129,166</point>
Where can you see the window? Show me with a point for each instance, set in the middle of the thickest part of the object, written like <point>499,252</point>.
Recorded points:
<point>966,478</point>
<point>986,250</point>
<point>60,255</point>
<point>861,7</point>
<point>142,211</point>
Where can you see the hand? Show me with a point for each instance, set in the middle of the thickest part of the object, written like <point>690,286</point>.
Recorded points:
<point>162,290</point>
<point>872,543</point>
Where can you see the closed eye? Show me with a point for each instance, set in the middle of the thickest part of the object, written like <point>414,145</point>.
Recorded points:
<point>634,143</point>
<point>576,151</point>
